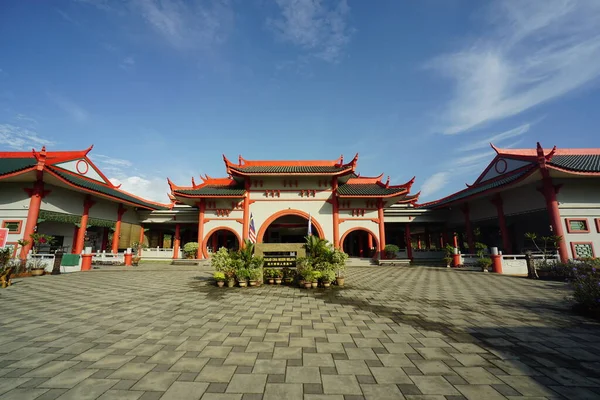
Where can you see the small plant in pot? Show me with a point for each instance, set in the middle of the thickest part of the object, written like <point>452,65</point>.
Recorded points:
<point>190,249</point>
<point>315,279</point>
<point>390,251</point>
<point>254,275</point>
<point>269,275</point>
<point>288,275</point>
<point>484,263</point>
<point>448,255</point>
<point>242,275</point>
<point>307,277</point>
<point>327,277</point>
<point>219,278</point>
<point>278,274</point>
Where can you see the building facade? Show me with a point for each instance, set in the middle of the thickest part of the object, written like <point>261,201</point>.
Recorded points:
<point>547,192</point>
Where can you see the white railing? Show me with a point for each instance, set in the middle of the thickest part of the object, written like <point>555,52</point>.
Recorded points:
<point>45,261</point>
<point>468,259</point>
<point>108,258</point>
<point>158,252</point>
<point>516,264</point>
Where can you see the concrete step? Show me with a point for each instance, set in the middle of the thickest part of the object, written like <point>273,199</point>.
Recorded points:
<point>192,261</point>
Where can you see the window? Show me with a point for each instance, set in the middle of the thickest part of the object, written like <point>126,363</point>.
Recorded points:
<point>14,227</point>
<point>582,250</point>
<point>577,225</point>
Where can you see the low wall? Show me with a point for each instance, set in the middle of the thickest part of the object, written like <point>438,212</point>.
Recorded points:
<point>159,253</point>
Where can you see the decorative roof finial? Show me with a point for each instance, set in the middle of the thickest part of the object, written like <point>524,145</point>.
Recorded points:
<point>387,183</point>
<point>193,182</point>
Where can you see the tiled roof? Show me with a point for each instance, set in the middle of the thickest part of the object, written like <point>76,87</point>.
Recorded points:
<point>213,190</point>
<point>368,190</point>
<point>97,187</point>
<point>477,189</point>
<point>577,163</point>
<point>10,165</point>
<point>290,169</point>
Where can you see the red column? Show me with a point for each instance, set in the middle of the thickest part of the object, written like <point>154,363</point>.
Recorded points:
<point>360,247</point>
<point>427,238</point>
<point>104,239</point>
<point>141,239</point>
<point>336,214</point>
<point>455,240</point>
<point>468,228</point>
<point>441,239</point>
<point>381,228</point>
<point>87,204</point>
<point>553,212</point>
<point>75,234</point>
<point>176,241</point>
<point>117,233</point>
<point>201,210</point>
<point>35,201</point>
<point>246,220</point>
<point>506,246</point>
<point>419,242</point>
<point>369,243</point>
<point>408,241</point>
<point>215,241</point>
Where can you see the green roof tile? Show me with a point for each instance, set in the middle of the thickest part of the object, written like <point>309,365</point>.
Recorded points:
<point>97,187</point>
<point>10,165</point>
<point>371,189</point>
<point>577,163</point>
<point>296,169</point>
<point>214,190</point>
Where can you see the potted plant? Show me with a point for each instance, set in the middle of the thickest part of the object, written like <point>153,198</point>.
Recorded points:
<point>190,249</point>
<point>269,276</point>
<point>307,277</point>
<point>219,278</point>
<point>241,275</point>
<point>288,275</point>
<point>35,265</point>
<point>338,263</point>
<point>278,274</point>
<point>316,275</point>
<point>484,263</point>
<point>254,275</point>
<point>327,277</point>
<point>391,251</point>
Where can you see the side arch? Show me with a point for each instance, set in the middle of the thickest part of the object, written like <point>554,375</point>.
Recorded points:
<point>218,228</point>
<point>359,228</point>
<point>263,228</point>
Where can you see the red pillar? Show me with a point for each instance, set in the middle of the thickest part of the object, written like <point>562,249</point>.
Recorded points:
<point>117,233</point>
<point>35,201</point>
<point>336,214</point>
<point>468,228</point>
<point>215,241</point>
<point>177,241</point>
<point>419,242</point>
<point>441,239</point>
<point>360,247</point>
<point>506,246</point>
<point>427,238</point>
<point>381,228</point>
<point>104,239</point>
<point>141,239</point>
<point>408,241</point>
<point>201,210</point>
<point>87,204</point>
<point>75,234</point>
<point>370,243</point>
<point>549,191</point>
<point>246,218</point>
<point>455,240</point>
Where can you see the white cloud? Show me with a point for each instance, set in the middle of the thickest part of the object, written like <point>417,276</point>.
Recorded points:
<point>18,138</point>
<point>535,52</point>
<point>127,63</point>
<point>155,189</point>
<point>320,29</point>
<point>435,183</point>
<point>497,138</point>
<point>74,110</point>
<point>187,24</point>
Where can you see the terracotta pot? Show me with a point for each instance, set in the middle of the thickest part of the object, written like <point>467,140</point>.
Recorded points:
<point>315,284</point>
<point>37,272</point>
<point>252,283</point>
<point>271,281</point>
<point>242,283</point>
<point>220,283</point>
<point>278,281</point>
<point>231,283</point>
<point>307,285</point>
<point>340,281</point>
<point>326,284</point>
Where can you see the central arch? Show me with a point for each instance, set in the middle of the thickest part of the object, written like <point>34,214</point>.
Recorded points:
<point>214,231</point>
<point>315,224</point>
<point>347,247</point>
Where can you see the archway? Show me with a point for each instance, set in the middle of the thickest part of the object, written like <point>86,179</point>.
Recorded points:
<point>288,226</point>
<point>221,236</point>
<point>355,242</point>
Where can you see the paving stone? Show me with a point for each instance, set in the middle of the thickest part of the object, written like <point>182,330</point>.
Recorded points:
<point>68,379</point>
<point>317,360</point>
<point>303,375</point>
<point>313,388</point>
<point>185,364</point>
<point>216,387</point>
<point>526,386</point>
<point>381,392</point>
<point>287,391</point>
<point>52,394</point>
<point>269,367</point>
<point>389,375</point>
<point>434,385</point>
<point>352,367</point>
<point>340,384</point>
<point>477,392</point>
<point>221,396</point>
<point>185,391</point>
<point>287,353</point>
<point>23,394</point>
<point>216,374</point>
<point>88,389</point>
<point>246,383</point>
<point>132,371</point>
<point>156,381</point>
<point>245,359</point>
<point>476,375</point>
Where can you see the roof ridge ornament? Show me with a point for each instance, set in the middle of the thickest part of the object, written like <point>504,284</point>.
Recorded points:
<point>387,183</point>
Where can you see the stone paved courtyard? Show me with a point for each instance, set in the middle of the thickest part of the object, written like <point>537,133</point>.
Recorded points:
<point>164,332</point>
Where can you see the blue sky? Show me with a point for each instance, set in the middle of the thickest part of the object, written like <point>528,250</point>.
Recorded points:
<point>165,87</point>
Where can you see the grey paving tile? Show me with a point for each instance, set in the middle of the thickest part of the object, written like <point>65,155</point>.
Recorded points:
<point>156,381</point>
<point>381,392</point>
<point>68,379</point>
<point>247,383</point>
<point>23,394</point>
<point>132,371</point>
<point>120,395</point>
<point>288,391</point>
<point>89,389</point>
<point>303,375</point>
<point>341,384</point>
<point>185,391</point>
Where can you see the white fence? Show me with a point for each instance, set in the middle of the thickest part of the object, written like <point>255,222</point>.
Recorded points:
<point>516,264</point>
<point>47,262</point>
<point>158,253</point>
<point>108,258</point>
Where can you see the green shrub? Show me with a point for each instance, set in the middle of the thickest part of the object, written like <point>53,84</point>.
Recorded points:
<point>254,274</point>
<point>221,260</point>
<point>219,276</point>
<point>242,274</point>
<point>190,249</point>
<point>586,288</point>
<point>484,263</point>
<point>277,273</point>
<point>328,276</point>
